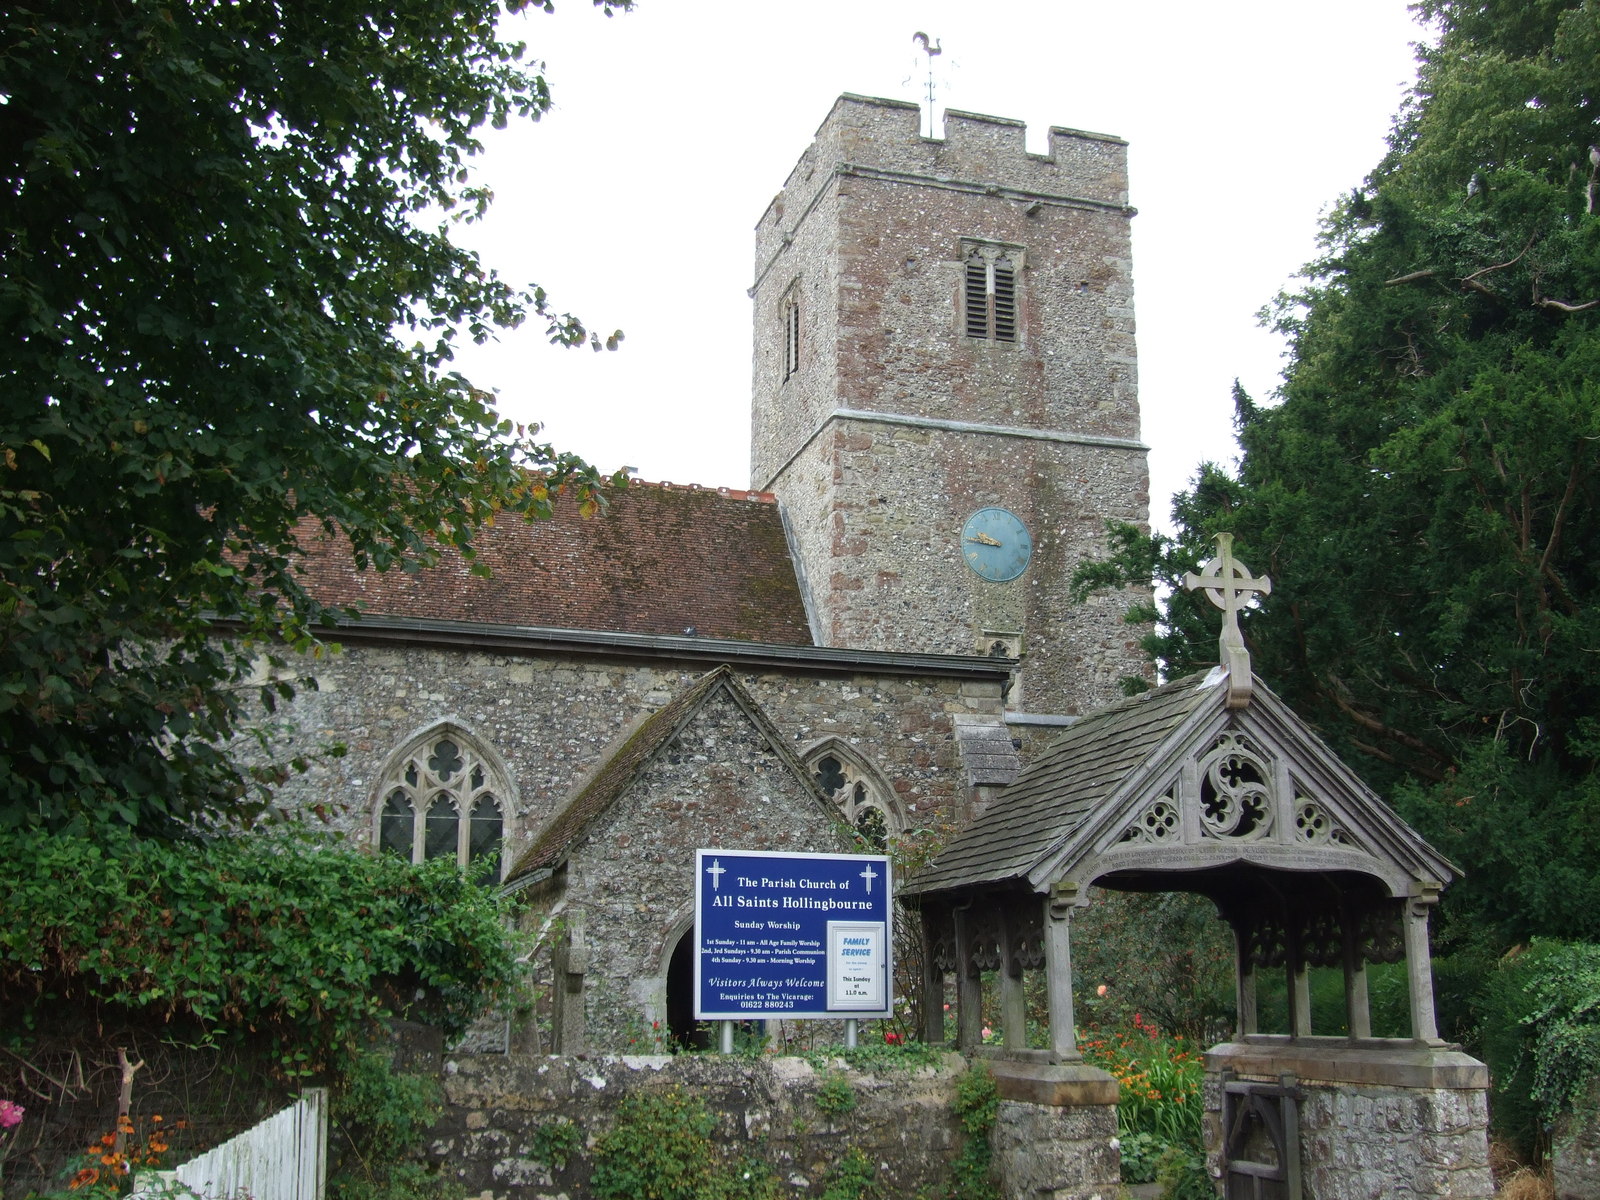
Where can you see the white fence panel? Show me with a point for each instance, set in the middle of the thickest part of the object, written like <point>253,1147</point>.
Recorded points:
<point>285,1157</point>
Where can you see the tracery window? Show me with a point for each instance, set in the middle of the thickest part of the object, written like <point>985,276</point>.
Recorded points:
<point>859,797</point>
<point>991,292</point>
<point>444,799</point>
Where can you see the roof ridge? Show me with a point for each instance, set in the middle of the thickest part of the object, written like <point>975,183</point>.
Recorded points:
<point>633,749</point>
<point>727,493</point>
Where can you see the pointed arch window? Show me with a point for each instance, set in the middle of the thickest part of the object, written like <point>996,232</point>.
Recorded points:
<point>990,291</point>
<point>862,799</point>
<point>444,798</point>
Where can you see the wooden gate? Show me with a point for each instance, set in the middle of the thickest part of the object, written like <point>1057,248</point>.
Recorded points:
<point>1260,1139</point>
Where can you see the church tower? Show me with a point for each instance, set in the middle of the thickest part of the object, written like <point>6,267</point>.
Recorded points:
<point>945,395</point>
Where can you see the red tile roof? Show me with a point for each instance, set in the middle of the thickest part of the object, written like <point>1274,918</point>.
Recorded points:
<point>662,559</point>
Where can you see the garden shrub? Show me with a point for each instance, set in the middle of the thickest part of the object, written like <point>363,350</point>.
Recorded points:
<point>290,935</point>
<point>1539,1029</point>
<point>661,1148</point>
<point>379,1121</point>
<point>853,1177</point>
<point>835,1096</point>
<point>1160,1109</point>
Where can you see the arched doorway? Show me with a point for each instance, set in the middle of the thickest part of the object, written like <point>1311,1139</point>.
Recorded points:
<point>685,1031</point>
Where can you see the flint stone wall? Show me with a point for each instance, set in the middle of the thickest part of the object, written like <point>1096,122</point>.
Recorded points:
<point>1362,1140</point>
<point>552,718</point>
<point>766,1108</point>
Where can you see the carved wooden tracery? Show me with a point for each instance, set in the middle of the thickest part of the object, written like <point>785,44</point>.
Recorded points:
<point>1235,795</point>
<point>1001,936</point>
<point>1237,802</point>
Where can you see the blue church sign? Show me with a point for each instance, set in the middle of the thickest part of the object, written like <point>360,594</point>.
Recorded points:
<point>792,935</point>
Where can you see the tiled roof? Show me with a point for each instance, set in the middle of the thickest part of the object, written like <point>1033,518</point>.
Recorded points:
<point>635,750</point>
<point>662,559</point>
<point>599,792</point>
<point>1060,788</point>
<point>1101,772</point>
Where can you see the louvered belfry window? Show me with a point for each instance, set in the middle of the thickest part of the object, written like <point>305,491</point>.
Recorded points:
<point>991,294</point>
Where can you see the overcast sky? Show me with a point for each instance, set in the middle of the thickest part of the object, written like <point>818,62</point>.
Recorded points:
<point>633,201</point>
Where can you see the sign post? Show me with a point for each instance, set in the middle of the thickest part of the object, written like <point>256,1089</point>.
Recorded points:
<point>792,935</point>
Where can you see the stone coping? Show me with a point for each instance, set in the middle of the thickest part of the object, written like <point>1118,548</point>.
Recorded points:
<point>1379,1063</point>
<point>1059,1085</point>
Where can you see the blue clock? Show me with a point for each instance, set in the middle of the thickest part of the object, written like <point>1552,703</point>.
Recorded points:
<point>996,544</point>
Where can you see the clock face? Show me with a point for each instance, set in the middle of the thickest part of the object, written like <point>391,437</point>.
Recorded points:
<point>996,544</point>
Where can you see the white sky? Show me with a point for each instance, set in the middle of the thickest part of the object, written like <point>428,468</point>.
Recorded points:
<point>633,202</point>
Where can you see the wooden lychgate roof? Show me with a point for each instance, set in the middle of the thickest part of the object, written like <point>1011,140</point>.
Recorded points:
<point>1172,790</point>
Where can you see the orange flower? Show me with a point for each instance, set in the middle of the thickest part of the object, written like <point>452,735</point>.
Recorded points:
<point>109,1139</point>
<point>84,1178</point>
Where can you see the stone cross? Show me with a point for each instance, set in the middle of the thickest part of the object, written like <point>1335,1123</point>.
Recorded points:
<point>1230,587</point>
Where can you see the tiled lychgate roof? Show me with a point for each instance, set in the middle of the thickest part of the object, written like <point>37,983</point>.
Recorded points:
<point>1060,789</point>
<point>1124,791</point>
<point>662,559</point>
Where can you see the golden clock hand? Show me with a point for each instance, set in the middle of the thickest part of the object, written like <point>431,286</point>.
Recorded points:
<point>983,539</point>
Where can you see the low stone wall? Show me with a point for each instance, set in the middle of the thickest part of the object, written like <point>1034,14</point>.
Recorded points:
<point>766,1107</point>
<point>1055,1133</point>
<point>1376,1122</point>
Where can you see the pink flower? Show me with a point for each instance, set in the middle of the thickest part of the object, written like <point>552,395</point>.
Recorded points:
<point>10,1114</point>
<point>1101,990</point>
<point>892,1039</point>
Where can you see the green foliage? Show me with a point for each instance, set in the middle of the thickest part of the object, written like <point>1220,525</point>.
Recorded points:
<point>555,1142</point>
<point>1165,956</point>
<point>1159,1112</point>
<point>661,1148</point>
<point>1539,1031</point>
<point>1181,1172</point>
<point>1140,1154</point>
<point>1160,1079</point>
<point>227,313</point>
<point>879,1056</point>
<point>835,1097</point>
<point>380,1121</point>
<point>853,1177</point>
<point>976,1102</point>
<point>1425,493</point>
<point>290,937</point>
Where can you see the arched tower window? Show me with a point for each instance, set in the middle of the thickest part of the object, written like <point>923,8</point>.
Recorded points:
<point>991,292</point>
<point>863,799</point>
<point>444,796</point>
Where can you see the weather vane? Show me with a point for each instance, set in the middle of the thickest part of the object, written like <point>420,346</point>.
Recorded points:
<point>1230,587</point>
<point>932,49</point>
